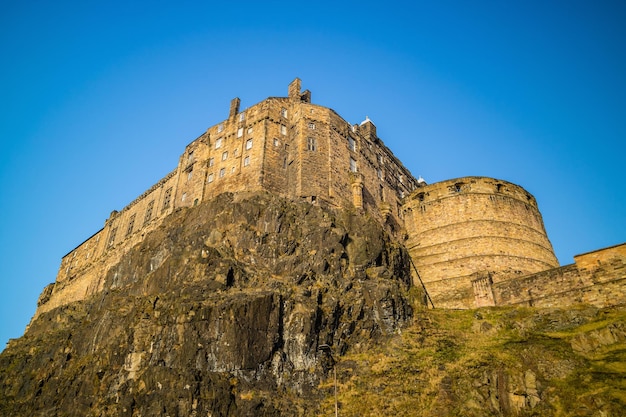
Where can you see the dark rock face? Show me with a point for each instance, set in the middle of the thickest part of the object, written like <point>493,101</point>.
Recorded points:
<point>219,312</point>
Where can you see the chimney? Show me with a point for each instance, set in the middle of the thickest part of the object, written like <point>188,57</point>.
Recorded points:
<point>294,89</point>
<point>368,129</point>
<point>234,107</point>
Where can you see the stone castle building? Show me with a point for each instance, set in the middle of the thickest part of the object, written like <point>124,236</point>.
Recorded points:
<point>469,238</point>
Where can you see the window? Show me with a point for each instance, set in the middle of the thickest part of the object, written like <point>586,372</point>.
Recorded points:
<point>148,215</point>
<point>218,143</point>
<point>380,159</point>
<point>184,197</point>
<point>249,131</point>
<point>401,179</point>
<point>210,178</point>
<point>249,144</point>
<point>246,161</point>
<point>236,152</point>
<point>379,172</point>
<point>283,112</point>
<point>131,224</point>
<point>312,126</point>
<point>167,198</point>
<point>112,237</point>
<point>242,117</point>
<point>220,128</point>
<point>190,157</point>
<point>283,129</point>
<point>224,155</point>
<point>232,169</point>
<point>276,142</point>
<point>351,143</point>
<point>311,144</point>
<point>240,132</point>
<point>211,162</point>
<point>352,165</point>
<point>222,172</point>
<point>189,175</point>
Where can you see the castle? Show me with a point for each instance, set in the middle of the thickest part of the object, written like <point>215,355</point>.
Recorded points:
<point>474,241</point>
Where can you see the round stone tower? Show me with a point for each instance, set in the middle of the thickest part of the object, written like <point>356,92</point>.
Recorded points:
<point>474,230</point>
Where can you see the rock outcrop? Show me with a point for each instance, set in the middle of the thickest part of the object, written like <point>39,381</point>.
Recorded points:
<point>220,311</point>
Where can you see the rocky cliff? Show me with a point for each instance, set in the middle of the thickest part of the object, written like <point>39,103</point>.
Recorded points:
<point>223,309</point>
<point>220,311</point>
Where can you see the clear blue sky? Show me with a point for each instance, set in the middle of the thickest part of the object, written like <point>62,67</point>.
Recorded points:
<point>98,100</point>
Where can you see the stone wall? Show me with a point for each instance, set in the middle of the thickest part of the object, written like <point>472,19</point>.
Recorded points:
<point>597,278</point>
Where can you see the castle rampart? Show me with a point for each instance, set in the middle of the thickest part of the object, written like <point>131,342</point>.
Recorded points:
<point>597,278</point>
<point>461,226</point>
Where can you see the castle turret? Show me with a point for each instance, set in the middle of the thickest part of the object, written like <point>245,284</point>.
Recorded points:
<point>458,228</point>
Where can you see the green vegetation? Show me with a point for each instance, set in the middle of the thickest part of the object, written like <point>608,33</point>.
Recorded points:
<point>500,361</point>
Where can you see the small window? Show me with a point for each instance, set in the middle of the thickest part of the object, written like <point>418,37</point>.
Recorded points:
<point>232,169</point>
<point>283,129</point>
<point>379,172</point>
<point>210,178</point>
<point>352,165</point>
<point>312,126</point>
<point>242,117</point>
<point>311,144</point>
<point>112,237</point>
<point>190,157</point>
<point>224,155</point>
<point>184,197</point>
<point>249,144</point>
<point>246,161</point>
<point>222,172</point>
<point>220,128</point>
<point>189,175</point>
<point>240,132</point>
<point>351,143</point>
<point>249,131</point>
<point>401,179</point>
<point>236,152</point>
<point>276,142</point>
<point>131,224</point>
<point>457,187</point>
<point>211,162</point>
<point>380,159</point>
<point>167,197</point>
<point>218,143</point>
<point>148,215</point>
<point>283,112</point>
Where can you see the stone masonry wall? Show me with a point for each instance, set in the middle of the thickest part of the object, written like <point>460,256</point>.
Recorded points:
<point>597,278</point>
